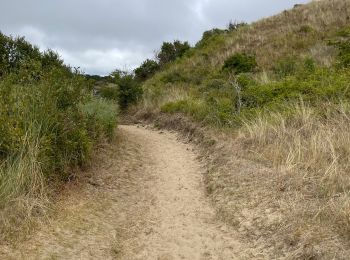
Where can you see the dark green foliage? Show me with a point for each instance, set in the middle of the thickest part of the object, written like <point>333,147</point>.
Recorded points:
<point>305,29</point>
<point>147,69</point>
<point>240,63</point>
<point>110,92</point>
<point>17,54</point>
<point>98,78</point>
<point>129,89</point>
<point>286,67</point>
<point>171,51</point>
<point>344,53</point>
<point>309,65</point>
<point>234,26</point>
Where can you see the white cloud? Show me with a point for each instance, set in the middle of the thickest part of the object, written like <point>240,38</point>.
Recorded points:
<point>100,36</point>
<point>104,61</point>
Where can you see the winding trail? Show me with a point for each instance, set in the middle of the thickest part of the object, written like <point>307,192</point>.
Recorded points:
<point>144,200</point>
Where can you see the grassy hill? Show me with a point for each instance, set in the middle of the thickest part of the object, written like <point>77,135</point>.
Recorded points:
<point>279,89</point>
<point>284,46</point>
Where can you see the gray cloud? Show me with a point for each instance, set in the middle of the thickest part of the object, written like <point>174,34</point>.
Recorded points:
<point>99,36</point>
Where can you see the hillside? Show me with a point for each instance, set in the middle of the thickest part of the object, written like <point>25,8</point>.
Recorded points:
<point>306,36</point>
<point>273,93</point>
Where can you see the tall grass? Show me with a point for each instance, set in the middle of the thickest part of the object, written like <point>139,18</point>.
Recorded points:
<point>49,124</point>
<point>101,116</point>
<point>312,147</point>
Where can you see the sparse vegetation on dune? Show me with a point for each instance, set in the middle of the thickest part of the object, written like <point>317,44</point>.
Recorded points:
<point>267,103</point>
<point>280,87</point>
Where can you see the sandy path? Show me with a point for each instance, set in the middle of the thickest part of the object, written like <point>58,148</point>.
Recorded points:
<point>145,200</point>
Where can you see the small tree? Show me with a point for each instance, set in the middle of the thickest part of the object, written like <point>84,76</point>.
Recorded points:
<point>170,51</point>
<point>240,63</point>
<point>181,48</point>
<point>234,26</point>
<point>129,89</point>
<point>147,69</point>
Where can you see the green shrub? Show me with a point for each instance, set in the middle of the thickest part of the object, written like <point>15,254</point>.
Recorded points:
<point>234,26</point>
<point>345,32</point>
<point>174,107</point>
<point>321,85</point>
<point>129,89</point>
<point>344,54</point>
<point>173,76</point>
<point>305,29</point>
<point>110,92</point>
<point>285,67</point>
<point>309,65</point>
<point>216,84</point>
<point>171,51</point>
<point>240,63</point>
<point>209,36</point>
<point>48,119</point>
<point>101,117</point>
<point>195,108</point>
<point>244,80</point>
<point>147,69</point>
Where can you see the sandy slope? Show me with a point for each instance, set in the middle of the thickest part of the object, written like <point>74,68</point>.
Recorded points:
<point>145,200</point>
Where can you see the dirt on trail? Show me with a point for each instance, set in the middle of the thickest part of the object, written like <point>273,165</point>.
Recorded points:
<point>145,199</point>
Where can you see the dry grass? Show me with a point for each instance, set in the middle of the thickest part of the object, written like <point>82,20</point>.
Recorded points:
<point>23,195</point>
<point>310,153</point>
<point>283,35</point>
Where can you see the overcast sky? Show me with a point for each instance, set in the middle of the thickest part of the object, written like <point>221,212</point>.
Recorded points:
<point>101,35</point>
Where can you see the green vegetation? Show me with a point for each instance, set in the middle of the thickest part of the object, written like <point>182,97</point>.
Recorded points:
<point>101,117</point>
<point>147,69</point>
<point>129,89</point>
<point>240,63</point>
<point>228,79</point>
<point>49,123</point>
<point>171,51</point>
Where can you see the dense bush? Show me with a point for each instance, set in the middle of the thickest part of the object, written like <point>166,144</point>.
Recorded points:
<point>285,67</point>
<point>234,26</point>
<point>344,53</point>
<point>240,63</point>
<point>147,69</point>
<point>109,91</point>
<point>321,85</point>
<point>101,117</point>
<point>49,120</point>
<point>209,34</point>
<point>171,51</point>
<point>129,89</point>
